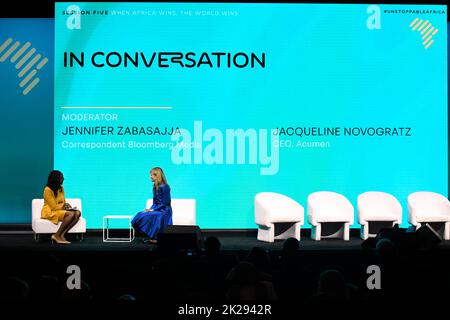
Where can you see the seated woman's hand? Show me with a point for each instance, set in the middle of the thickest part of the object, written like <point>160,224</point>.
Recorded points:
<point>148,210</point>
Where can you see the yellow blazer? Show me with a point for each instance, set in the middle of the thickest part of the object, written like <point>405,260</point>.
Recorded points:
<point>53,208</point>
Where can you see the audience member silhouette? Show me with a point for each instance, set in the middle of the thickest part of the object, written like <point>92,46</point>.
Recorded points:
<point>82,294</point>
<point>331,286</point>
<point>212,246</point>
<point>293,278</point>
<point>385,251</point>
<point>126,297</point>
<point>259,258</point>
<point>46,288</point>
<point>208,272</point>
<point>291,245</point>
<point>14,289</point>
<point>244,284</point>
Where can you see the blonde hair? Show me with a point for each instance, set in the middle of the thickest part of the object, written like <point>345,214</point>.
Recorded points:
<point>160,177</point>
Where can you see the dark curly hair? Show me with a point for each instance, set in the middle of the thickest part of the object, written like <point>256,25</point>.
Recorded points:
<point>55,181</point>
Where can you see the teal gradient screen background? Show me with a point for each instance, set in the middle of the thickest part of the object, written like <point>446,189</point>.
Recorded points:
<point>26,124</point>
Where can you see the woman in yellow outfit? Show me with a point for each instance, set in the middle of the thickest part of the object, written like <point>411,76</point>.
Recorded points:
<point>55,207</point>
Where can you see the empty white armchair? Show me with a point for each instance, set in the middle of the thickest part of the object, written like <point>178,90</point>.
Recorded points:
<point>45,226</point>
<point>184,211</point>
<point>429,207</point>
<point>272,208</point>
<point>327,207</point>
<point>377,206</point>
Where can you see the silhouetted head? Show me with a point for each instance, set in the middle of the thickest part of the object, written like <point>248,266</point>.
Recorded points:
<point>244,273</point>
<point>46,288</point>
<point>14,289</point>
<point>332,283</point>
<point>212,245</point>
<point>126,297</point>
<point>291,245</point>
<point>258,256</point>
<point>385,250</point>
<point>55,180</point>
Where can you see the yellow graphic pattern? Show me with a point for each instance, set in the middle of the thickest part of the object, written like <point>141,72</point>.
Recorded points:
<point>426,30</point>
<point>24,64</point>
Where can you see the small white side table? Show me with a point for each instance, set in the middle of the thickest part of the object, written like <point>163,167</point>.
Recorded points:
<point>106,237</point>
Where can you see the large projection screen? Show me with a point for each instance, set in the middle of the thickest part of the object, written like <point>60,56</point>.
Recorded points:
<point>236,99</point>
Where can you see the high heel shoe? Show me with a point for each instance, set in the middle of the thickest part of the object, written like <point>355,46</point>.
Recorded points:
<point>54,239</point>
<point>66,241</point>
<point>147,241</point>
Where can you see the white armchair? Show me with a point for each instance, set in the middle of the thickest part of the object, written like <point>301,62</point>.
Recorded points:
<point>377,206</point>
<point>326,207</point>
<point>41,226</point>
<point>184,211</point>
<point>272,208</point>
<point>429,207</point>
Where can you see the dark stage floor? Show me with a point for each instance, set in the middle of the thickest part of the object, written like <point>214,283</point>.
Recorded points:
<point>234,241</point>
<point>94,242</point>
